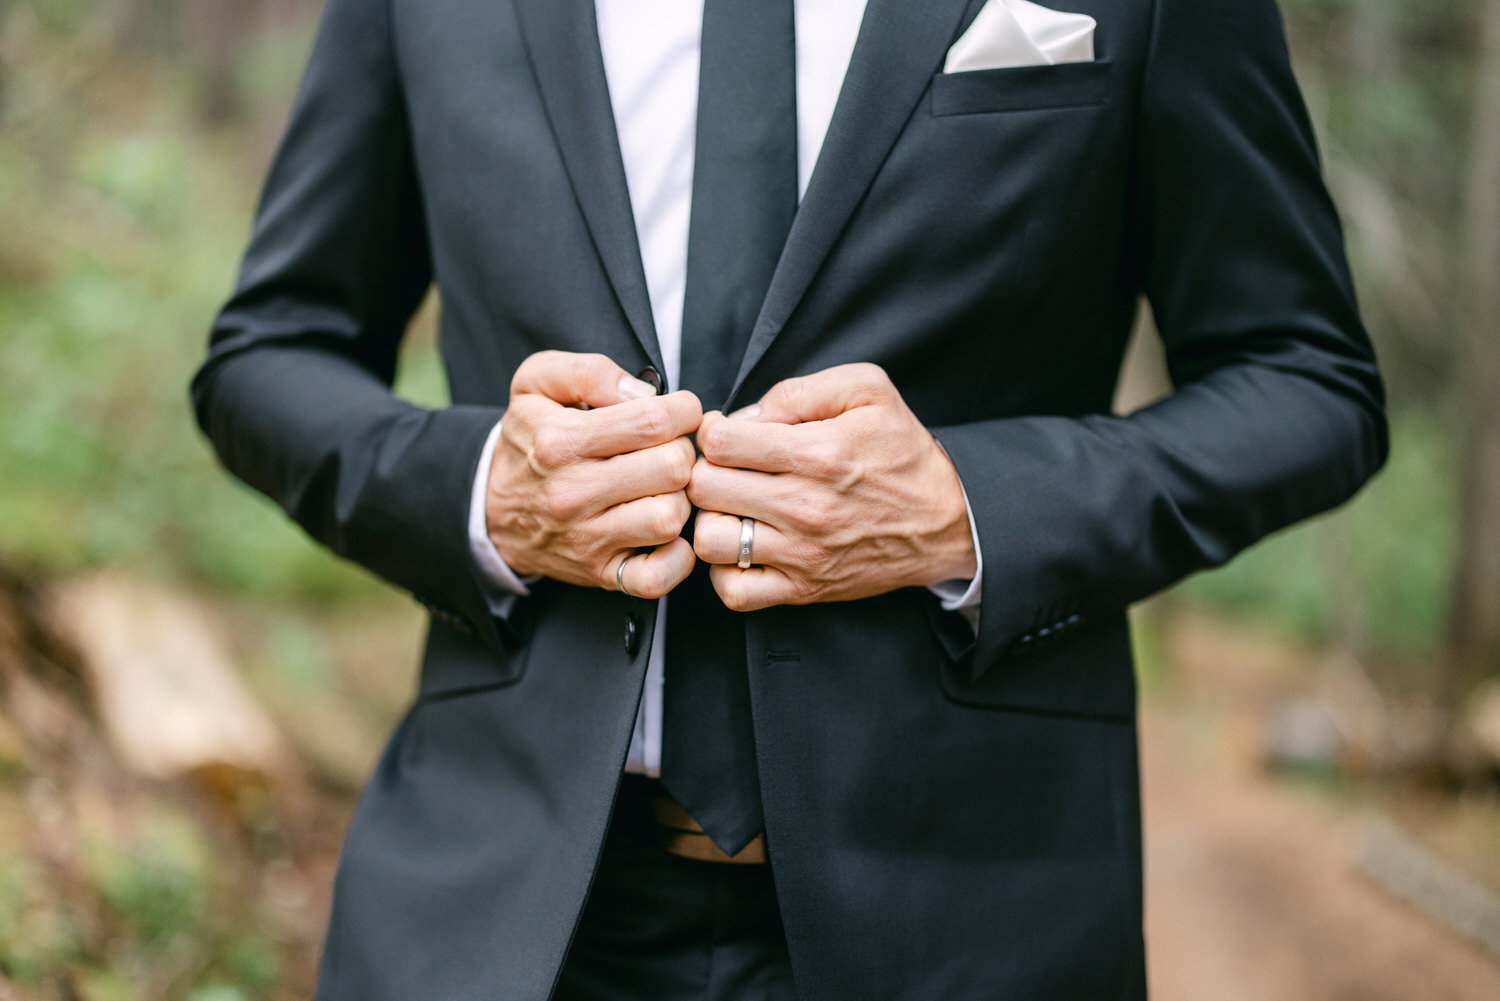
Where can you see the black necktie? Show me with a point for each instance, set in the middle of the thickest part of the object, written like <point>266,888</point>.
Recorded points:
<point>744,197</point>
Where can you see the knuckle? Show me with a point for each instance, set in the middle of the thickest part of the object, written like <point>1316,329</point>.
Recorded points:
<point>700,547</point>
<point>711,437</point>
<point>594,367</point>
<point>868,371</point>
<point>732,592</point>
<point>522,417</point>
<point>655,579</point>
<point>664,520</point>
<point>553,446</point>
<point>643,578</point>
<point>813,514</point>
<point>825,459</point>
<point>698,482</point>
<point>788,391</point>
<point>530,366</point>
<point>562,501</point>
<point>548,368</point>
<point>679,460</point>
<point>656,424</point>
<point>692,407</point>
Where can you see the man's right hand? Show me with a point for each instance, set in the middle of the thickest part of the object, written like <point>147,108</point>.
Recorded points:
<point>591,467</point>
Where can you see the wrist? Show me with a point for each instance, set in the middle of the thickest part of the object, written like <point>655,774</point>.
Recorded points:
<point>952,546</point>
<point>508,539</point>
<point>496,574</point>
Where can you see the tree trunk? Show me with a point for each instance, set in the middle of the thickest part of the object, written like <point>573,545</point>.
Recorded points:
<point>1474,626</point>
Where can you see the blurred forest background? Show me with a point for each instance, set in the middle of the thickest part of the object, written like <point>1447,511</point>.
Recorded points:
<point>191,694</point>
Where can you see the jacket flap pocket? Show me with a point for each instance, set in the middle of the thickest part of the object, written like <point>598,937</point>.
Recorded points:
<point>1021,88</point>
<point>1090,673</point>
<point>456,662</point>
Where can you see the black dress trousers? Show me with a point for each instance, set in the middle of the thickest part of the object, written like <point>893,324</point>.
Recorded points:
<point>662,928</point>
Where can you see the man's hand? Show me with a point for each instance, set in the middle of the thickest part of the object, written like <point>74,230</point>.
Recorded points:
<point>573,491</point>
<point>851,495</point>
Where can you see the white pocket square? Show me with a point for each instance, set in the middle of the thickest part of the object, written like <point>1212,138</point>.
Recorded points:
<point>1010,33</point>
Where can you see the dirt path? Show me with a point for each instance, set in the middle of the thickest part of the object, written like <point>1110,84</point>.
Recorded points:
<point>1251,891</point>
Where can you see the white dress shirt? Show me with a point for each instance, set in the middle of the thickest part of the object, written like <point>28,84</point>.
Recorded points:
<point>650,50</point>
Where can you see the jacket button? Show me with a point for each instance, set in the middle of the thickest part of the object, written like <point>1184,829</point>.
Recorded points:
<point>632,635</point>
<point>652,377</point>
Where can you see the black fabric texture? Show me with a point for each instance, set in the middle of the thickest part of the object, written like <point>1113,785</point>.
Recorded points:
<point>744,198</point>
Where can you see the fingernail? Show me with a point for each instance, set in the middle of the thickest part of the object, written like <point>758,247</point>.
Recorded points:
<point>634,389</point>
<point>746,413</point>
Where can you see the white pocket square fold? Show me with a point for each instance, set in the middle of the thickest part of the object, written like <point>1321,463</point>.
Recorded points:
<point>1009,33</point>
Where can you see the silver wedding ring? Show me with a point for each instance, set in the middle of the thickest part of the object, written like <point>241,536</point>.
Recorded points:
<point>620,575</point>
<point>747,543</point>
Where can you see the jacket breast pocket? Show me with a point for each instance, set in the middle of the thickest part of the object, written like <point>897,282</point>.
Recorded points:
<point>1021,88</point>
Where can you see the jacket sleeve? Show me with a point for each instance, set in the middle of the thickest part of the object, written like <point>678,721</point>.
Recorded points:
<point>295,391</point>
<point>1278,408</point>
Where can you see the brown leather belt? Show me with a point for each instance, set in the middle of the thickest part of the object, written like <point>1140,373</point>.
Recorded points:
<point>645,806</point>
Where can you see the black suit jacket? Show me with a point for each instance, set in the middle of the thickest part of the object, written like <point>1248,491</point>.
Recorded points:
<point>948,816</point>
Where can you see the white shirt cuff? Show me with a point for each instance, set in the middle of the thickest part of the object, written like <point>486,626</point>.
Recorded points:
<point>501,585</point>
<point>963,596</point>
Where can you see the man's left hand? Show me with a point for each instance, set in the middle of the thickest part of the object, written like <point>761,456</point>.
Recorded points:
<point>851,495</point>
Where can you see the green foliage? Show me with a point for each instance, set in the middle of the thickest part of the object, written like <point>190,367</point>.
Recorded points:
<point>1390,85</point>
<point>250,967</point>
<point>299,658</point>
<point>156,883</point>
<point>37,937</point>
<point>1406,532</point>
<point>105,985</point>
<point>1392,550</point>
<point>1151,663</point>
<point>125,214</point>
<point>219,992</point>
<point>151,909</point>
<point>254,962</point>
<point>124,227</point>
<point>1278,581</point>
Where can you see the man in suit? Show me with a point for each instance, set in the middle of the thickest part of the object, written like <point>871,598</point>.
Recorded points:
<point>891,706</point>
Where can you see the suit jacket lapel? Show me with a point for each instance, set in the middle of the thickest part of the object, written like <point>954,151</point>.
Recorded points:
<point>901,44</point>
<point>562,41</point>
